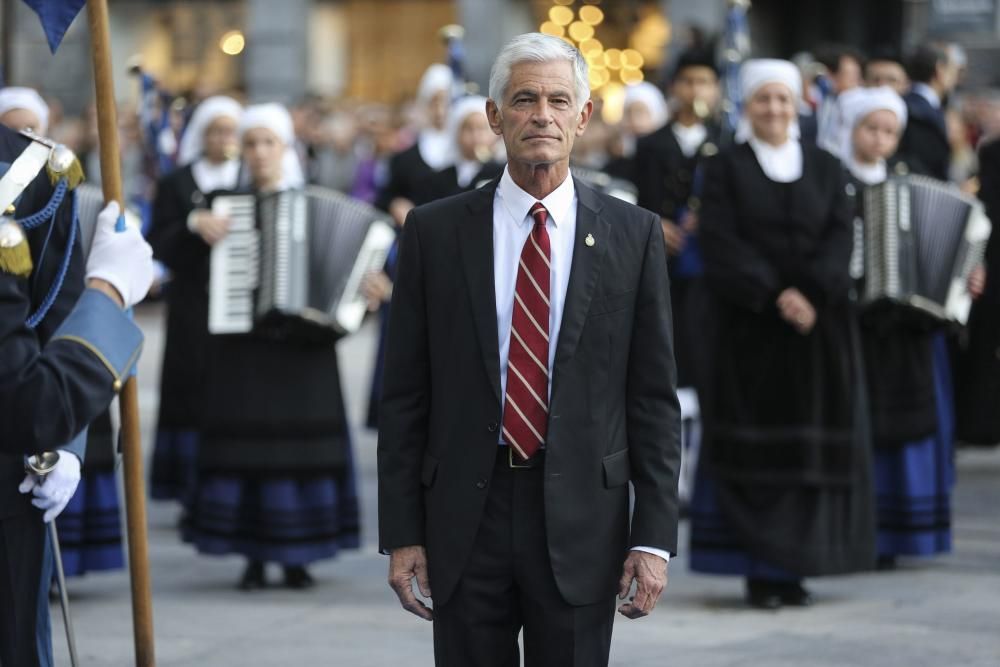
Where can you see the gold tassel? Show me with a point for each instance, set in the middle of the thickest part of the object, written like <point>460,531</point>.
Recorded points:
<point>74,174</point>
<point>15,254</point>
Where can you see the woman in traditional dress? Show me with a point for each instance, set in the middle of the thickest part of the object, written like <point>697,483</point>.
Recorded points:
<point>183,231</point>
<point>783,489</point>
<point>472,163</point>
<point>275,472</point>
<point>906,363</point>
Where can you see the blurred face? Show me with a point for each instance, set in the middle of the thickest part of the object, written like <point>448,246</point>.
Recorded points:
<point>638,119</point>
<point>539,117</point>
<point>771,110</point>
<point>887,73</point>
<point>947,75</point>
<point>437,109</point>
<point>696,83</point>
<point>220,140</point>
<point>262,153</point>
<point>475,138</point>
<point>21,119</point>
<point>848,74</point>
<point>876,136</point>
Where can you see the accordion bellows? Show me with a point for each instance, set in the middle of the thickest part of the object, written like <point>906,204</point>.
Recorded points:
<point>921,239</point>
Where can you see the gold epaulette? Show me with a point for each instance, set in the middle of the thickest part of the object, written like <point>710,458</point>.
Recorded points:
<point>62,164</point>
<point>15,254</point>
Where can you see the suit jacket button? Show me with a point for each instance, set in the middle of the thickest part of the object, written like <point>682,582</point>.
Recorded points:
<point>481,484</point>
<point>492,428</point>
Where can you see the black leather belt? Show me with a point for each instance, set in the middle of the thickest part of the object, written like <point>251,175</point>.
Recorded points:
<point>508,458</point>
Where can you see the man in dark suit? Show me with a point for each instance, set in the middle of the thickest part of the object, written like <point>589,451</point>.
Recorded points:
<point>529,378</point>
<point>924,145</point>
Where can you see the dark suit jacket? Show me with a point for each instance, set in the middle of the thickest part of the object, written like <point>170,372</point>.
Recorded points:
<point>924,144</point>
<point>989,193</point>
<point>614,416</point>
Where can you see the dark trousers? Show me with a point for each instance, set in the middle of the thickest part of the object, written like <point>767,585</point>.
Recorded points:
<point>508,586</point>
<point>22,546</point>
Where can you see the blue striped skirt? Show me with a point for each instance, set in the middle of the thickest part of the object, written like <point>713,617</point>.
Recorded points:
<point>90,533</point>
<point>174,467</point>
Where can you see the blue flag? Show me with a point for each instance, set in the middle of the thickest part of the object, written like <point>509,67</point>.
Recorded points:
<point>56,16</point>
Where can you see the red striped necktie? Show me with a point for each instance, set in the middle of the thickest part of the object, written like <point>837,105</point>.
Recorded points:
<point>526,405</point>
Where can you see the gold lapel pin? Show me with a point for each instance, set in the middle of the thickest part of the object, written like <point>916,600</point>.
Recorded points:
<point>590,240</point>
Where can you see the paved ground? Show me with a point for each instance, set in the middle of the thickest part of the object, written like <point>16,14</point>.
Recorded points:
<point>933,613</point>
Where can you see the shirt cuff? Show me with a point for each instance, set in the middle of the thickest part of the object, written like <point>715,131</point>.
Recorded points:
<point>665,555</point>
<point>98,324</point>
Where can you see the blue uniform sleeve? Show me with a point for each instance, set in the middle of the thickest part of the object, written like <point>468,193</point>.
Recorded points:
<point>49,395</point>
<point>77,445</point>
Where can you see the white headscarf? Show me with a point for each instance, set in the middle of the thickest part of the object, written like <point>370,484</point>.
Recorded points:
<point>210,110</point>
<point>759,72</point>
<point>16,97</point>
<point>855,105</point>
<point>652,97</point>
<point>460,110</point>
<point>438,77</point>
<point>276,118</point>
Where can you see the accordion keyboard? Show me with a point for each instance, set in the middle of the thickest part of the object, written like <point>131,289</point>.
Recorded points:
<point>234,267</point>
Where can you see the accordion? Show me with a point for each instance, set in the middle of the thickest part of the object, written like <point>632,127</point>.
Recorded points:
<point>293,263</point>
<point>920,240</point>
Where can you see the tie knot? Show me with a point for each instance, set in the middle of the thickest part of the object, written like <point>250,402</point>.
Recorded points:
<point>539,213</point>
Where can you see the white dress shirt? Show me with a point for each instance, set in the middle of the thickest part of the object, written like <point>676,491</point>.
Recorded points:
<point>512,223</point>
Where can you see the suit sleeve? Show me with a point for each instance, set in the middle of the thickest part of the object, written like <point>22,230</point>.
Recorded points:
<point>403,415</point>
<point>50,394</point>
<point>733,267</point>
<point>652,410</point>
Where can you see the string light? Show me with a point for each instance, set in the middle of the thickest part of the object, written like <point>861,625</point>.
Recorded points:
<point>581,31</point>
<point>562,16</point>
<point>591,15</point>
<point>552,28</point>
<point>232,43</point>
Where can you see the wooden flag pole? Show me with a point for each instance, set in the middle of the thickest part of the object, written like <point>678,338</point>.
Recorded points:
<point>135,493</point>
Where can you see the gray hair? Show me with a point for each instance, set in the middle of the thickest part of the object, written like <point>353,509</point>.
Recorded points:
<point>538,48</point>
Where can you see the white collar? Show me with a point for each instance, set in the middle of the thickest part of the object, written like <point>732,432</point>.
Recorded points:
<point>435,148</point>
<point>928,94</point>
<point>518,202</point>
<point>869,174</point>
<point>783,163</point>
<point>689,138</point>
<point>210,177</point>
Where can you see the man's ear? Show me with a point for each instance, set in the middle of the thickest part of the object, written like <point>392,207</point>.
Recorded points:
<point>585,113</point>
<point>494,117</point>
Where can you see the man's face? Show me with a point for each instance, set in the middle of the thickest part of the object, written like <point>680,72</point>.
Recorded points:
<point>887,73</point>
<point>693,83</point>
<point>848,74</point>
<point>539,117</point>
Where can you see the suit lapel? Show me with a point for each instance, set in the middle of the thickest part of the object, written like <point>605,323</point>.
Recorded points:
<point>476,247</point>
<point>584,273</point>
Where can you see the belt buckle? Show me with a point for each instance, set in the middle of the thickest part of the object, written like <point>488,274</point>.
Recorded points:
<point>512,464</point>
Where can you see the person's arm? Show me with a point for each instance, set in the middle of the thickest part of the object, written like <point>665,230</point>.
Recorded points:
<point>652,410</point>
<point>173,242</point>
<point>50,395</point>
<point>733,267</point>
<point>824,275</point>
<point>403,415</point>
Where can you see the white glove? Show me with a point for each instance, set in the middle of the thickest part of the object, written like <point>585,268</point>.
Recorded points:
<point>123,259</point>
<point>53,492</point>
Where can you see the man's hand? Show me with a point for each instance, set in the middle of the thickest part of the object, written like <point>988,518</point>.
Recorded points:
<point>796,310</point>
<point>649,571</point>
<point>405,564</point>
<point>673,236</point>
<point>53,492</point>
